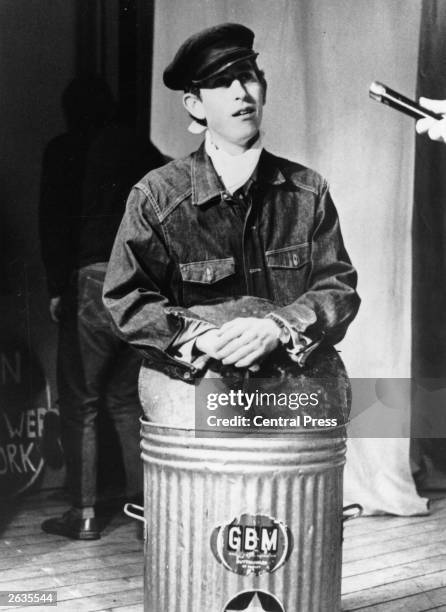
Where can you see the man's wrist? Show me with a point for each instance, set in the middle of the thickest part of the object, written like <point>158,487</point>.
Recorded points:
<point>284,336</point>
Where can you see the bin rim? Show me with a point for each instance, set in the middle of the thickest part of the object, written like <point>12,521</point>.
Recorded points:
<point>321,431</point>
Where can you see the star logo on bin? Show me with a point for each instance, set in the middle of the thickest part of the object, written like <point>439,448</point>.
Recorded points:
<point>254,606</point>
<point>254,601</point>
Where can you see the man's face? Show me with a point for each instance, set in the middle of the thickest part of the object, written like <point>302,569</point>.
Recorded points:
<point>232,104</point>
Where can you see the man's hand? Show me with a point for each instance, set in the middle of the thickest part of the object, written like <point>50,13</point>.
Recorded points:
<point>55,309</point>
<point>209,342</point>
<point>436,130</point>
<point>244,341</point>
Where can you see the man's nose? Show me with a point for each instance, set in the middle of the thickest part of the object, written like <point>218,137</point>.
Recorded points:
<point>238,89</point>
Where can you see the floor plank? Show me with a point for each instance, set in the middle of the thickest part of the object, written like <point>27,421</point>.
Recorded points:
<point>393,558</point>
<point>395,563</point>
<point>53,580</point>
<point>95,602</point>
<point>363,549</point>
<point>393,591</point>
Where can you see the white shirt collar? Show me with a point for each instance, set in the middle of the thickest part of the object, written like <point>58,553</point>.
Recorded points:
<point>234,170</point>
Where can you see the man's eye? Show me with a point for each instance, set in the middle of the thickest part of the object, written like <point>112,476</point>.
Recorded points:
<point>226,81</point>
<point>222,82</point>
<point>219,82</point>
<point>247,76</point>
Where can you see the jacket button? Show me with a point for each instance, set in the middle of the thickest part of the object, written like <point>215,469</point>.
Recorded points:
<point>209,274</point>
<point>295,259</point>
<point>187,375</point>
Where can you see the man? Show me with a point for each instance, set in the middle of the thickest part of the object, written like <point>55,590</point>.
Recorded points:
<point>229,220</point>
<point>436,130</point>
<point>87,175</point>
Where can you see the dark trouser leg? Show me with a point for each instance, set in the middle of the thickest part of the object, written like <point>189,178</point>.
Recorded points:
<point>125,410</point>
<point>79,359</point>
<point>94,365</point>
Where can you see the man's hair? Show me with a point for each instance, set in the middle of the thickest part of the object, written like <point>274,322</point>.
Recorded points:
<point>195,90</point>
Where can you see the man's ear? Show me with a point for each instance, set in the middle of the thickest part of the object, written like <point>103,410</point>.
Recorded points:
<point>263,83</point>
<point>194,105</point>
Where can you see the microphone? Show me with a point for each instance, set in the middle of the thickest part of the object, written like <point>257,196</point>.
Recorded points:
<point>381,93</point>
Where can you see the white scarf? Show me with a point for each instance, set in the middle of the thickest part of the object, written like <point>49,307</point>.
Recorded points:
<point>234,170</point>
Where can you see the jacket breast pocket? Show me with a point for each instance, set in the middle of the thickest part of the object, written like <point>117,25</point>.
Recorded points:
<point>207,280</point>
<point>289,268</point>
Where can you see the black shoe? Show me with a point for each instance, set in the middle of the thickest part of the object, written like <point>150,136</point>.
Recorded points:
<point>72,527</point>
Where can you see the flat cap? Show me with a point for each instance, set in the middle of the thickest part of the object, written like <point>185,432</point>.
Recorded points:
<point>207,53</point>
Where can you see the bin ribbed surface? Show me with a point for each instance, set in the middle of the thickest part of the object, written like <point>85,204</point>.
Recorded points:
<point>194,485</point>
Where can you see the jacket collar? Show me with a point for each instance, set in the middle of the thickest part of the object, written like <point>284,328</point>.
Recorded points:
<point>206,184</point>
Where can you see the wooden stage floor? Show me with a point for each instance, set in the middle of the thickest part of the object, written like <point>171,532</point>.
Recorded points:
<point>390,564</point>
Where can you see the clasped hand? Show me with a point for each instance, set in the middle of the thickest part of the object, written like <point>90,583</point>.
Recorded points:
<point>241,342</point>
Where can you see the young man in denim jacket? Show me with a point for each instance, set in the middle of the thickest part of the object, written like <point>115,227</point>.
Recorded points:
<point>229,220</point>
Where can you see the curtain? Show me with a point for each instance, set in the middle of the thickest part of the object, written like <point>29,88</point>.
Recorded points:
<point>429,221</point>
<point>429,246</point>
<point>319,57</point>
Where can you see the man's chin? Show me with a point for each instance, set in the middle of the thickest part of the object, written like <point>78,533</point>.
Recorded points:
<point>248,140</point>
<point>242,140</point>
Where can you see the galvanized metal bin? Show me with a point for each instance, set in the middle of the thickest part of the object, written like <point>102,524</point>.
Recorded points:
<point>242,523</point>
<point>195,487</point>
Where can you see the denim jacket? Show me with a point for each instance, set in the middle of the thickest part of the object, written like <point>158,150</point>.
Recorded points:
<point>184,241</point>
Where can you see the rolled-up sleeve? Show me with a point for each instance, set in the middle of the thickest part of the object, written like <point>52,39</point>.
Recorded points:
<point>330,303</point>
<point>138,286</point>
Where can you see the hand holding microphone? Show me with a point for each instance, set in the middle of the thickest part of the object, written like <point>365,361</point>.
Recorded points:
<point>430,114</point>
<point>435,129</point>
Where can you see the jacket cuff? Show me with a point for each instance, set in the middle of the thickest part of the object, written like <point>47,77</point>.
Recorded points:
<point>182,345</point>
<point>299,316</point>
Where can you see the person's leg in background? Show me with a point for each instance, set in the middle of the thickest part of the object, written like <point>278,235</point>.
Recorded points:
<point>88,352</point>
<point>111,381</point>
<point>78,406</point>
<point>125,411</point>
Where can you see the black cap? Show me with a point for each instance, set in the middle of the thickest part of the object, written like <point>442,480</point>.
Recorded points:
<point>207,53</point>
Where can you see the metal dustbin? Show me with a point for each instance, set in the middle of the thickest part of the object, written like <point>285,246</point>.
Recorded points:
<point>241,522</point>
